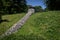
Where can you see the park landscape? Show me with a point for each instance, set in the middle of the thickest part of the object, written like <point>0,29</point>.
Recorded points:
<point>41,25</point>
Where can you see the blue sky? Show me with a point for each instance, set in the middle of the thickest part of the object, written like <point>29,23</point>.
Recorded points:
<point>36,3</point>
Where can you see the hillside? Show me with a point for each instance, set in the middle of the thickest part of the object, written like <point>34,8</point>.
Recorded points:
<point>40,26</point>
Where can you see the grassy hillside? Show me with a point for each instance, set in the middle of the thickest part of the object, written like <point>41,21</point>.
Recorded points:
<point>40,26</point>
<point>8,21</point>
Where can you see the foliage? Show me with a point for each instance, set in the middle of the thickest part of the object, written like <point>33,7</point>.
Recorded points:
<point>38,9</point>
<point>53,4</point>
<point>16,6</point>
<point>46,9</point>
<point>29,6</point>
<point>1,5</point>
<point>12,6</point>
<point>0,18</point>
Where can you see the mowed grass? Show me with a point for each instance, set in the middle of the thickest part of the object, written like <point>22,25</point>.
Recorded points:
<point>9,21</point>
<point>40,26</point>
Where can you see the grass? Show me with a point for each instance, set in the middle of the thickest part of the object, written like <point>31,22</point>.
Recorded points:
<point>9,20</point>
<point>40,26</point>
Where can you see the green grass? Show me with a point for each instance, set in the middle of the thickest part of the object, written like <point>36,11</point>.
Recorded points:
<point>11,19</point>
<point>40,26</point>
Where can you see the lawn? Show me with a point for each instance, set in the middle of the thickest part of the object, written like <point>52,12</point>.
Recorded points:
<point>40,26</point>
<point>9,20</point>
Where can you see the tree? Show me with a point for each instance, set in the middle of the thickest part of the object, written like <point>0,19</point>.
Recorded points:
<point>1,8</point>
<point>29,6</point>
<point>0,18</point>
<point>38,9</point>
<point>12,6</point>
<point>17,6</point>
<point>53,4</point>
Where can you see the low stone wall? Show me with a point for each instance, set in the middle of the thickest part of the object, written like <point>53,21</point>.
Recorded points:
<point>17,25</point>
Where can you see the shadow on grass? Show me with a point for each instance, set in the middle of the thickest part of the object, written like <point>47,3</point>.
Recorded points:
<point>4,20</point>
<point>23,37</point>
<point>13,13</point>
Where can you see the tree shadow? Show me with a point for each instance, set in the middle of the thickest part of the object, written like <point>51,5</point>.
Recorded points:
<point>23,37</point>
<point>5,20</point>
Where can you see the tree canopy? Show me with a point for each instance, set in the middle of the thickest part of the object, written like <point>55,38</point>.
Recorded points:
<point>53,4</point>
<point>12,6</point>
<point>38,9</point>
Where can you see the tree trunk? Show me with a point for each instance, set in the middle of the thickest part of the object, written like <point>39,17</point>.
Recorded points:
<point>0,18</point>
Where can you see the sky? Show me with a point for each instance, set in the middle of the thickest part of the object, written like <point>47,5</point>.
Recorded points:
<point>36,3</point>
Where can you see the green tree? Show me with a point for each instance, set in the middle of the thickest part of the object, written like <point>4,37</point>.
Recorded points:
<point>1,8</point>
<point>12,6</point>
<point>16,6</point>
<point>29,6</point>
<point>53,4</point>
<point>38,9</point>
